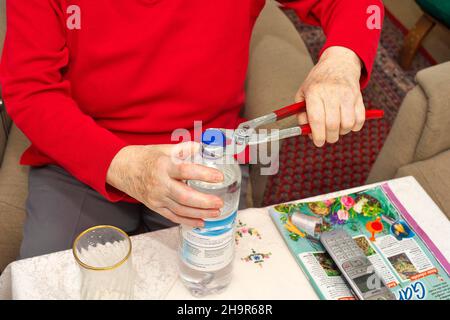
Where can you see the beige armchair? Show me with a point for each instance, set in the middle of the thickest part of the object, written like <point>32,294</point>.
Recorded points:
<point>279,61</point>
<point>13,178</point>
<point>419,142</point>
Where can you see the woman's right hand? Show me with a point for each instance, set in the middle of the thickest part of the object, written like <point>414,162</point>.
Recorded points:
<point>154,175</point>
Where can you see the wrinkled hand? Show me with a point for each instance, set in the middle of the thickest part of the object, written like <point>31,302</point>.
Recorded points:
<point>333,97</point>
<point>151,175</point>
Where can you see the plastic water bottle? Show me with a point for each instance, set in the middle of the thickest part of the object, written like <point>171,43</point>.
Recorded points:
<point>206,254</point>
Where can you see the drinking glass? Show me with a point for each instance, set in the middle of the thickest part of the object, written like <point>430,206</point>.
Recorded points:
<point>104,256</point>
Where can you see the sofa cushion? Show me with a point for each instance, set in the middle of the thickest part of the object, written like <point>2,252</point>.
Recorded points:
<point>434,176</point>
<point>11,235</point>
<point>13,193</point>
<point>435,83</point>
<point>14,177</point>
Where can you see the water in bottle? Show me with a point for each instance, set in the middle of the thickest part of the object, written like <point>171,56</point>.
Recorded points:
<point>206,254</point>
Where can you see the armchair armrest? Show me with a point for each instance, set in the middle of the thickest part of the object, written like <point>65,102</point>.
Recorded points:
<point>435,83</point>
<point>400,146</point>
<point>434,176</point>
<point>421,128</point>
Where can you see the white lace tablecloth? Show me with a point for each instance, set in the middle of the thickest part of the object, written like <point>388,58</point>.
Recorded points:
<point>57,276</point>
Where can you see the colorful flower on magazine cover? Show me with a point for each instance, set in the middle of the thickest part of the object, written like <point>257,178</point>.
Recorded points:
<point>361,212</point>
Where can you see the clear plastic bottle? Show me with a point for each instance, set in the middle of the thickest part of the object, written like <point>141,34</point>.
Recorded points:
<point>206,254</point>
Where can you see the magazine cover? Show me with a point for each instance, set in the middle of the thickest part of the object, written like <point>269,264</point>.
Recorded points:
<point>410,264</point>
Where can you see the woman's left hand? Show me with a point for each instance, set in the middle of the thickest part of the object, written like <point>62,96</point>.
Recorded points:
<point>333,96</point>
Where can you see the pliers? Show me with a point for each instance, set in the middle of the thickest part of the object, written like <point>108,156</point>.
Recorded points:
<point>246,135</point>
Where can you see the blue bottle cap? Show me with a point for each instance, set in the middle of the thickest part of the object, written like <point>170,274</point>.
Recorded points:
<point>213,138</point>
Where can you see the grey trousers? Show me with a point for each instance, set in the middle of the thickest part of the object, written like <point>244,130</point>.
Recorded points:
<point>59,207</point>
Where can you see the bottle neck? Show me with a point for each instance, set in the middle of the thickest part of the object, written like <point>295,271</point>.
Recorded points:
<point>212,153</point>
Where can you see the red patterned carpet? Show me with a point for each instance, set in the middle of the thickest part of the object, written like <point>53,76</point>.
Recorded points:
<point>306,170</point>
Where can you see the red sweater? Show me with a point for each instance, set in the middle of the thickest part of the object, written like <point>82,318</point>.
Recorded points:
<point>136,70</point>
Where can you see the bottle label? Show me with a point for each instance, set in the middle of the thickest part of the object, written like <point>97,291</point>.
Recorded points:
<point>209,248</point>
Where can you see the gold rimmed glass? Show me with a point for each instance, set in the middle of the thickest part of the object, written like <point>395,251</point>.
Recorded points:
<point>104,256</point>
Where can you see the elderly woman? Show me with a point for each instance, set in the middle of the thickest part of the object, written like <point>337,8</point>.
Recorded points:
<point>98,87</point>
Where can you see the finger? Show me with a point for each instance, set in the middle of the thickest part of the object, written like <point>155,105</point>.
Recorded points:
<point>332,120</point>
<point>299,96</point>
<point>193,171</point>
<point>185,150</point>
<point>360,115</point>
<point>167,213</point>
<point>190,212</point>
<point>316,118</point>
<point>302,118</point>
<point>347,111</point>
<point>185,195</point>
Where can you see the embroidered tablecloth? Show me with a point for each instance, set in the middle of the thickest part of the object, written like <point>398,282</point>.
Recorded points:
<point>264,267</point>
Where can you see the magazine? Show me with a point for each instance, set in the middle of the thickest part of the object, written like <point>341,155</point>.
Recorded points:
<point>402,254</point>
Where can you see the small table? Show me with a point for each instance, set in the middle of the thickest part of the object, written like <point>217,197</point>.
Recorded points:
<point>275,276</point>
